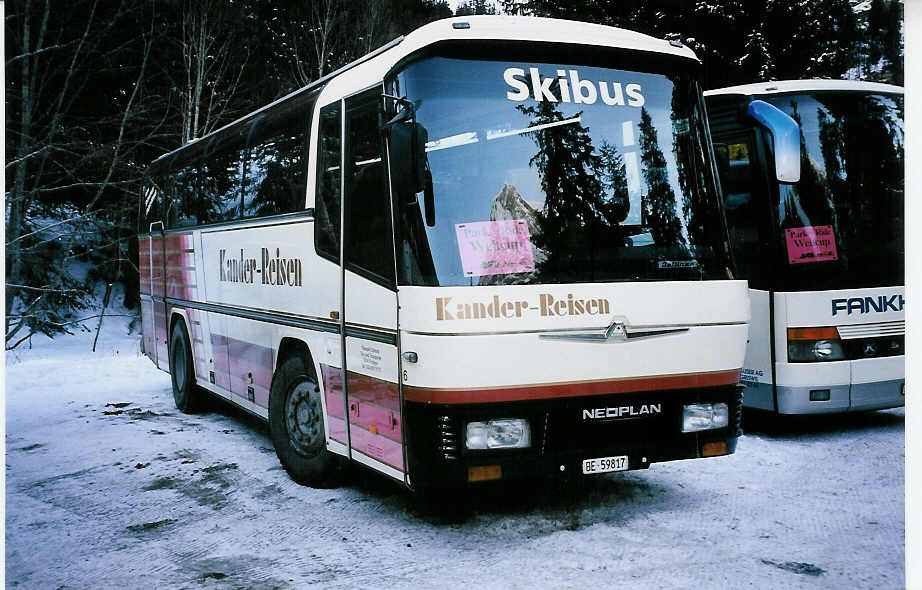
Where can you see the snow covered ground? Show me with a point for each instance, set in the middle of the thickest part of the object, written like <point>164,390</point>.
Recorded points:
<point>108,485</point>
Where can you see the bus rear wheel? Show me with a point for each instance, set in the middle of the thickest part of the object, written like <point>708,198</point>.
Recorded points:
<point>182,371</point>
<point>296,426</point>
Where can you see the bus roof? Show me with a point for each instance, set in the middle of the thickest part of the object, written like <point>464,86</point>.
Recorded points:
<point>792,86</point>
<point>474,28</point>
<point>529,28</point>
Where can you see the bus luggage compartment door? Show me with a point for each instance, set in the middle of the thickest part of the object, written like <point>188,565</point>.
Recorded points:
<point>372,388</point>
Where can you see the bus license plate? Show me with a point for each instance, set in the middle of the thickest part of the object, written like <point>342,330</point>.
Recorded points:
<point>605,464</point>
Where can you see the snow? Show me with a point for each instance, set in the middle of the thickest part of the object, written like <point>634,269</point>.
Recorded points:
<point>108,485</point>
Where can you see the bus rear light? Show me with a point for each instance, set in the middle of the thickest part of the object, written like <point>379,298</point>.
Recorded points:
<point>506,433</point>
<point>714,449</point>
<point>484,472</point>
<point>828,333</point>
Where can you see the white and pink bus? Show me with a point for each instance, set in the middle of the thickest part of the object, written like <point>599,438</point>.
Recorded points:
<point>491,249</point>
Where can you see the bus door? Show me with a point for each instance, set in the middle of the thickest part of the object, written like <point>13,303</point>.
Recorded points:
<point>746,205</point>
<point>373,409</point>
<point>157,253</point>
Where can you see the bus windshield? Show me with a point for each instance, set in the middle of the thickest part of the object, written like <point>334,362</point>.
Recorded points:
<point>559,173</point>
<point>842,224</point>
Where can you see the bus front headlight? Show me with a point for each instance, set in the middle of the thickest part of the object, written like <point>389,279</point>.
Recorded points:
<point>505,433</point>
<point>696,417</point>
<point>814,344</point>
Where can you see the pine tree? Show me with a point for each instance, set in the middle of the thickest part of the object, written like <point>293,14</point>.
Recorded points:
<point>659,206</point>
<point>613,173</point>
<point>471,7</point>
<point>577,219</point>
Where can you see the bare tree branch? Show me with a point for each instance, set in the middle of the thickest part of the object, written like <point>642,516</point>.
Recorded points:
<point>49,226</point>
<point>42,289</point>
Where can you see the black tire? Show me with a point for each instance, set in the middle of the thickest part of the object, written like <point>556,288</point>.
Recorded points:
<point>296,426</point>
<point>182,371</point>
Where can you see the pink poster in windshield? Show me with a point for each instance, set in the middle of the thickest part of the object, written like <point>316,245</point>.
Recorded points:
<point>811,243</point>
<point>494,247</point>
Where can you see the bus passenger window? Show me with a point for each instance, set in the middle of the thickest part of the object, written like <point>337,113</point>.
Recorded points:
<point>185,203</point>
<point>741,207</point>
<point>327,206</point>
<point>275,175</point>
<point>220,180</point>
<point>369,240</point>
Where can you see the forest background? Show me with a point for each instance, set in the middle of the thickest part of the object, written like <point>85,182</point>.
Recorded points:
<point>96,89</point>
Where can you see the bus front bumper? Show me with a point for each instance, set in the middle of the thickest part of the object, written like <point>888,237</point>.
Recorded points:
<point>841,386</point>
<point>561,441</point>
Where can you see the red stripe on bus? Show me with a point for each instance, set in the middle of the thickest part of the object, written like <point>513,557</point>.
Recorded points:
<point>572,389</point>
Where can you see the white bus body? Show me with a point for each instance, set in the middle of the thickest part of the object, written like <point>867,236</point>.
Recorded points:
<point>424,350</point>
<point>827,327</point>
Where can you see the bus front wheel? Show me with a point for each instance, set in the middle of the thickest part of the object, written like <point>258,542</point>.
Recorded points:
<point>296,425</point>
<point>182,371</point>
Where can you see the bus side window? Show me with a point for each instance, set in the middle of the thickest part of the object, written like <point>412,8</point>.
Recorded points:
<point>222,197</point>
<point>741,204</point>
<point>275,173</point>
<point>327,206</point>
<point>368,237</point>
<point>183,210</point>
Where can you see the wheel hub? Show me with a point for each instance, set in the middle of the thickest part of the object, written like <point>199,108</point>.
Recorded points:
<point>304,418</point>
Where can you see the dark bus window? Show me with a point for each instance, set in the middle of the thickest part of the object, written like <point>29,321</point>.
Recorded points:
<point>274,171</point>
<point>744,207</point>
<point>219,177</point>
<point>369,239</point>
<point>253,169</point>
<point>327,207</point>
<point>184,206</point>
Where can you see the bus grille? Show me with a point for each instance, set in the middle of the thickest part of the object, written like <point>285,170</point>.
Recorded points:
<point>447,438</point>
<point>872,330</point>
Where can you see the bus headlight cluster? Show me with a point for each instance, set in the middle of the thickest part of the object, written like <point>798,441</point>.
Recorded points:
<point>697,417</point>
<point>505,433</point>
<point>814,344</point>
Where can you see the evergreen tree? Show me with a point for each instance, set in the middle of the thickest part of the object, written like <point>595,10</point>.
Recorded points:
<point>659,206</point>
<point>470,7</point>
<point>614,179</point>
<point>742,42</point>
<point>577,218</point>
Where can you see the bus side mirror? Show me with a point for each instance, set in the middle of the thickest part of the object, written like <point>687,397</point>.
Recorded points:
<point>409,164</point>
<point>408,156</point>
<point>786,135</point>
<point>429,199</point>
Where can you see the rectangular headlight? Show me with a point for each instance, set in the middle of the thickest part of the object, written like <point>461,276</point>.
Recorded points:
<point>696,417</point>
<point>814,344</point>
<point>505,433</point>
